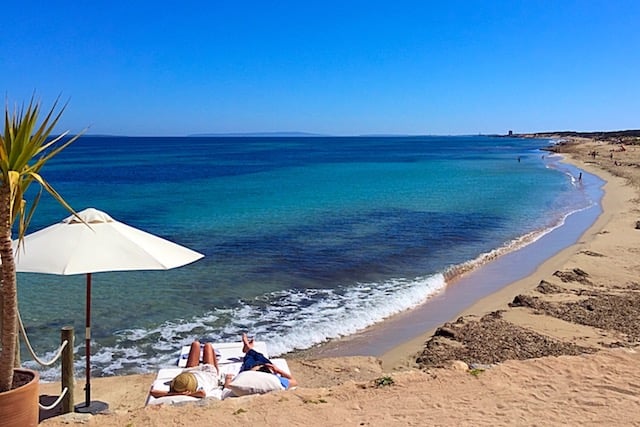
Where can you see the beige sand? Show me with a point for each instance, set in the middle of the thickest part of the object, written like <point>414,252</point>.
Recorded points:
<point>591,389</point>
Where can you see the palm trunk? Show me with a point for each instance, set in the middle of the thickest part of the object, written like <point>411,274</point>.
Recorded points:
<point>9,294</point>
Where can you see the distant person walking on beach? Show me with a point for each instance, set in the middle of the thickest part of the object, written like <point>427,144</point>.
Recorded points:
<point>196,380</point>
<point>580,177</point>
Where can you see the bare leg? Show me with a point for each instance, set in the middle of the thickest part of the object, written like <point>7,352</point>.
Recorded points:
<point>248,344</point>
<point>194,355</point>
<point>209,356</point>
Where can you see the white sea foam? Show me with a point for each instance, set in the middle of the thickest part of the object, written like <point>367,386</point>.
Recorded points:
<point>329,314</point>
<point>295,319</point>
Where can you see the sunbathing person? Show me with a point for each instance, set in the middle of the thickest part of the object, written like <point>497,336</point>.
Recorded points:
<point>256,361</point>
<point>196,380</point>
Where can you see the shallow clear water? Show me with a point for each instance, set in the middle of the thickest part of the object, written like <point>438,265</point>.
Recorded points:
<point>305,239</point>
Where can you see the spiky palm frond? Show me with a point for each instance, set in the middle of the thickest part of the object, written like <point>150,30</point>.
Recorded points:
<point>25,147</point>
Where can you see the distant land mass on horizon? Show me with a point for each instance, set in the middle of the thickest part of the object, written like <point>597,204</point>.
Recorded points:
<point>591,134</point>
<point>298,134</point>
<point>587,134</point>
<point>248,134</point>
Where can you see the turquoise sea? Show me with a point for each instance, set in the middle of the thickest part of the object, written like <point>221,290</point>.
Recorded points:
<point>306,239</point>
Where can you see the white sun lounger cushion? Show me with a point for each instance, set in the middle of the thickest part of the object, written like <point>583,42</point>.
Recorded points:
<point>254,382</point>
<point>245,383</point>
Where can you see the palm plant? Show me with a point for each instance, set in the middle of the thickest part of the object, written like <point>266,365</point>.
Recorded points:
<point>25,147</point>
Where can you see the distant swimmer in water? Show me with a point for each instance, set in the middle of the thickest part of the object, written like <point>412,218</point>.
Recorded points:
<point>580,177</point>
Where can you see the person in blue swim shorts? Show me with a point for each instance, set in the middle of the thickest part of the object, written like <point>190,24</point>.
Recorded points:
<point>255,361</point>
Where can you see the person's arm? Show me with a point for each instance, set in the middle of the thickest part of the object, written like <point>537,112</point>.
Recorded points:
<point>278,371</point>
<point>161,393</point>
<point>199,394</point>
<point>292,381</point>
<point>158,393</point>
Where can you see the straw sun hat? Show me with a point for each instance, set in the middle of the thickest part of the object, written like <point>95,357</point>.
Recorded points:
<point>184,382</point>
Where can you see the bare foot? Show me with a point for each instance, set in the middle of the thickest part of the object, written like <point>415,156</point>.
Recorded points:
<point>227,380</point>
<point>248,343</point>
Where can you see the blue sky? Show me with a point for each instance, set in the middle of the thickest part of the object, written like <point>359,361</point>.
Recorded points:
<point>330,67</point>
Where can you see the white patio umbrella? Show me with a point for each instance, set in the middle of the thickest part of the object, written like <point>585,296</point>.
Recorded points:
<point>71,247</point>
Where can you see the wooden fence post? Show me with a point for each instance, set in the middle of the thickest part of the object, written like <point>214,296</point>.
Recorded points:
<point>67,379</point>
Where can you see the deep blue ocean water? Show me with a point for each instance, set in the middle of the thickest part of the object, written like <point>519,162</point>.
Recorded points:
<point>305,239</point>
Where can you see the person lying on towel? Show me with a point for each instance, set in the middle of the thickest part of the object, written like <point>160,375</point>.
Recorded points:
<point>255,361</point>
<point>195,381</point>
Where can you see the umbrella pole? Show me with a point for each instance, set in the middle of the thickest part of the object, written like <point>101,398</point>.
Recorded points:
<point>89,406</point>
<point>87,343</point>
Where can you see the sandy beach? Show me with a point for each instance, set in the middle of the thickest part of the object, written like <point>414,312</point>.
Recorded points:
<point>555,348</point>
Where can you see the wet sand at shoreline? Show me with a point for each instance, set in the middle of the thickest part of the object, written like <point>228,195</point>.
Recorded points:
<point>580,301</point>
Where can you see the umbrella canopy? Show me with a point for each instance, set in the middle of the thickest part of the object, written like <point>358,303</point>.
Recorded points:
<point>71,247</point>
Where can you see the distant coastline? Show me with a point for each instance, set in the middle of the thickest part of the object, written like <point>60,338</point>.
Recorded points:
<point>597,136</point>
<point>257,134</point>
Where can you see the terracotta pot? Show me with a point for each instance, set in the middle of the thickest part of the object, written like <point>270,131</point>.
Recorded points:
<point>19,407</point>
